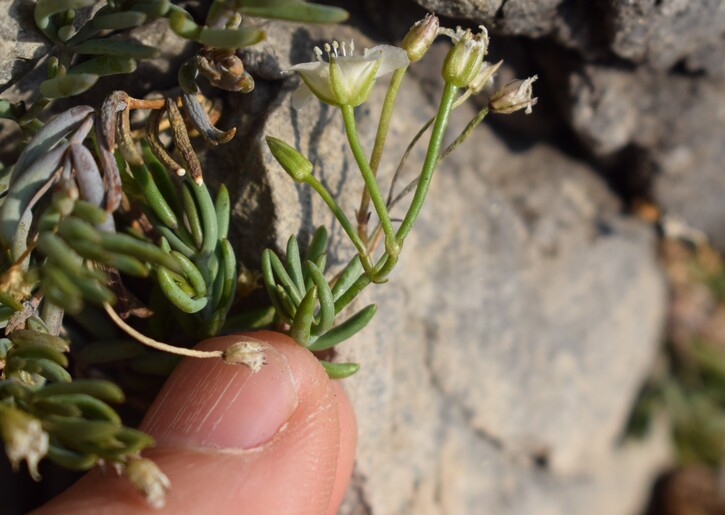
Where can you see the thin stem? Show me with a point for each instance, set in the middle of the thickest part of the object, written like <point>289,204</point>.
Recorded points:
<point>348,116</point>
<point>475,122</point>
<point>344,221</point>
<point>377,154</point>
<point>392,202</point>
<point>351,293</point>
<point>415,140</point>
<point>431,160</point>
<point>156,344</point>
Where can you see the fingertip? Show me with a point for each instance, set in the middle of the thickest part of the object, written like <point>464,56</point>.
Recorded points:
<point>348,442</point>
<point>302,469</point>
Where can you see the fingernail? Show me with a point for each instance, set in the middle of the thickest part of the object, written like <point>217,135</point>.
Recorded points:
<point>208,403</point>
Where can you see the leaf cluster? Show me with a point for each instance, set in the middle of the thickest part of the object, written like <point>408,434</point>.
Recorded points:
<point>80,426</point>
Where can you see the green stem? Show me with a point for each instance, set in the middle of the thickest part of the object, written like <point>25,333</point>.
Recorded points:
<point>377,154</point>
<point>391,244</point>
<point>346,225</point>
<point>351,293</point>
<point>431,160</point>
<point>415,140</point>
<point>384,266</point>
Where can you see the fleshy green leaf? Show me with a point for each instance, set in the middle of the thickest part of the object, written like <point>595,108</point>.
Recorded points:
<point>293,10</point>
<point>116,47</point>
<point>105,65</point>
<point>68,85</point>
<point>339,370</point>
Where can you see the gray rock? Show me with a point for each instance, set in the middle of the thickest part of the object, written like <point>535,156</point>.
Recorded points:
<point>524,315</point>
<point>20,43</point>
<point>662,33</point>
<point>468,9</point>
<point>676,123</point>
<point>658,33</point>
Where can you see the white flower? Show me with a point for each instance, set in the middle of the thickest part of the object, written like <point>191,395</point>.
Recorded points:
<point>347,78</point>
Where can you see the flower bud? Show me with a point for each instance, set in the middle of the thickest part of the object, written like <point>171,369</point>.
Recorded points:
<point>24,439</point>
<point>513,96</point>
<point>464,60</point>
<point>147,477</point>
<point>484,77</point>
<point>295,164</point>
<point>420,37</point>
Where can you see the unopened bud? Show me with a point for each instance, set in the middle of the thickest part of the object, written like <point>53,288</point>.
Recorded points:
<point>148,479</point>
<point>24,439</point>
<point>420,37</point>
<point>245,353</point>
<point>295,164</point>
<point>464,60</point>
<point>514,96</point>
<point>484,77</point>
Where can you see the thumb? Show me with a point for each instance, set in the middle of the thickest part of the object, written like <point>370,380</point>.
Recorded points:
<point>279,441</point>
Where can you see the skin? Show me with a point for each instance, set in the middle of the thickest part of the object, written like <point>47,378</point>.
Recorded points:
<point>281,441</point>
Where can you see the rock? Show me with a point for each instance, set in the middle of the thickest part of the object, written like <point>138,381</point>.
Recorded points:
<point>662,33</point>
<point>657,33</point>
<point>674,121</point>
<point>525,313</point>
<point>20,43</point>
<point>466,9</point>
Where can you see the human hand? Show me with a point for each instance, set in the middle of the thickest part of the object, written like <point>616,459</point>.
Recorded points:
<point>280,441</point>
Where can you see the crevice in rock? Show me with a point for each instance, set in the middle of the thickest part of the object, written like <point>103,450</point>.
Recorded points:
<point>363,506</point>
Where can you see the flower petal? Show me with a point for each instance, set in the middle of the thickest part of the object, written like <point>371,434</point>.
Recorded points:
<point>301,96</point>
<point>357,73</point>
<point>391,58</point>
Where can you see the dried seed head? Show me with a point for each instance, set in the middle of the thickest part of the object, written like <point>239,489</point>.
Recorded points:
<point>148,479</point>
<point>14,285</point>
<point>246,352</point>
<point>24,439</point>
<point>514,96</point>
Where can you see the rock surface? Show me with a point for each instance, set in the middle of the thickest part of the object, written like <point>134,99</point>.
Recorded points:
<point>20,43</point>
<point>674,122</point>
<point>525,313</point>
<point>658,33</point>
